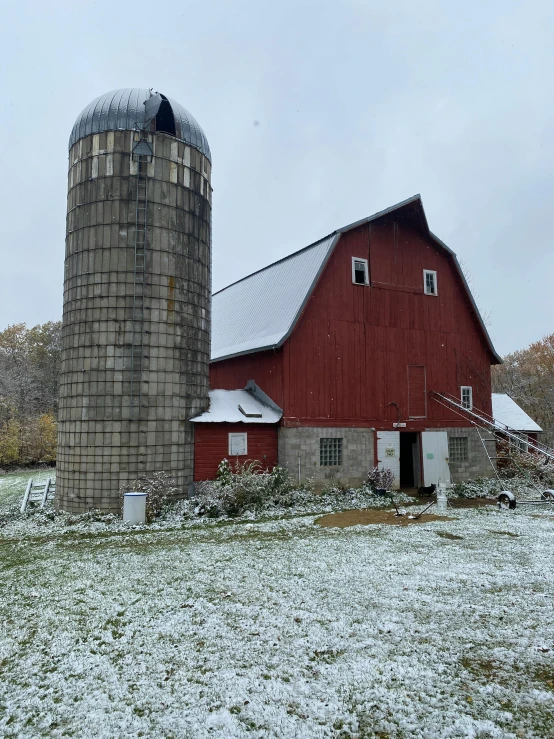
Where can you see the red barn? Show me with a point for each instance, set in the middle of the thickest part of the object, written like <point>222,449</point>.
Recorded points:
<point>352,337</point>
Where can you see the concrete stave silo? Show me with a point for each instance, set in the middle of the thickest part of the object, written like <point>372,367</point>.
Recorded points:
<point>137,285</point>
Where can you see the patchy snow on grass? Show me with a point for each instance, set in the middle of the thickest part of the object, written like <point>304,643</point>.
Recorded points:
<point>278,628</point>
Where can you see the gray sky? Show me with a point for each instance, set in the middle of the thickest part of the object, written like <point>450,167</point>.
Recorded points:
<point>317,114</point>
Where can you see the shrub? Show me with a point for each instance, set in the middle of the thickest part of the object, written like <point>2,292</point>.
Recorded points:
<point>380,478</point>
<point>160,489</point>
<point>244,488</point>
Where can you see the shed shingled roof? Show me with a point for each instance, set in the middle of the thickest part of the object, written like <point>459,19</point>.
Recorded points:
<point>507,412</point>
<point>260,311</point>
<point>225,407</point>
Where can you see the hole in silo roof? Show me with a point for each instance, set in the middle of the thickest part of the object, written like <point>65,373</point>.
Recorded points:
<point>165,120</point>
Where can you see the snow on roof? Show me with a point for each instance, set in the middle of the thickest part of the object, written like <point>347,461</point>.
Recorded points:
<point>507,412</point>
<point>237,406</point>
<point>259,311</point>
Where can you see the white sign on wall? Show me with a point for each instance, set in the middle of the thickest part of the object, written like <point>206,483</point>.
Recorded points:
<point>237,445</point>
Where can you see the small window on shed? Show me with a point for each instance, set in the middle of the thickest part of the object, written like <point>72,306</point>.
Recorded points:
<point>330,452</point>
<point>467,396</point>
<point>238,446</point>
<point>360,272</point>
<point>429,282</point>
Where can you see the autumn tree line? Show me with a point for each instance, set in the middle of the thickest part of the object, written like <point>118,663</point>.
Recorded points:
<point>30,367</point>
<point>29,372</point>
<point>527,376</point>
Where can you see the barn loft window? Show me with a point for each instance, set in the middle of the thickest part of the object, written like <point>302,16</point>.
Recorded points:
<point>467,397</point>
<point>429,282</point>
<point>360,272</point>
<point>165,120</point>
<point>458,449</point>
<point>330,452</point>
<point>238,446</point>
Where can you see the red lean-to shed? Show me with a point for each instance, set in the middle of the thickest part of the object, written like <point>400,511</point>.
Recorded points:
<point>353,337</point>
<point>239,425</point>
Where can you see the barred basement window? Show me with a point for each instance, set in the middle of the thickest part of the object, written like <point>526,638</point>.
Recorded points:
<point>330,452</point>
<point>458,449</point>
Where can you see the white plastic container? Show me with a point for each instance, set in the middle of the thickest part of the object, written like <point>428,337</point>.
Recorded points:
<point>134,507</point>
<point>442,500</point>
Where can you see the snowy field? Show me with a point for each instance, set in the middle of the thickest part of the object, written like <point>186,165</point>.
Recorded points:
<point>277,628</point>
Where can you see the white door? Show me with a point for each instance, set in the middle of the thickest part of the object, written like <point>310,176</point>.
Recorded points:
<point>434,450</point>
<point>388,453</point>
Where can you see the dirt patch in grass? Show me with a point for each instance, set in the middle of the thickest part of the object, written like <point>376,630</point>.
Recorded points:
<point>447,535</point>
<point>372,516</point>
<point>455,502</point>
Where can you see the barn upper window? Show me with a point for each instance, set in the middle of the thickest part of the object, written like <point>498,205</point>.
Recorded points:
<point>467,396</point>
<point>360,272</point>
<point>429,282</point>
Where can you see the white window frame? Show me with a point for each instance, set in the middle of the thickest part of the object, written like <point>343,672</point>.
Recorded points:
<point>467,387</point>
<point>430,272</point>
<point>232,437</point>
<point>366,271</point>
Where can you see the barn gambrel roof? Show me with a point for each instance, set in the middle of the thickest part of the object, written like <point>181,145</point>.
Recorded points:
<point>260,311</point>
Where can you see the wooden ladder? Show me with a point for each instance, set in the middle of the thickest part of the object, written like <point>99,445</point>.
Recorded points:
<point>38,492</point>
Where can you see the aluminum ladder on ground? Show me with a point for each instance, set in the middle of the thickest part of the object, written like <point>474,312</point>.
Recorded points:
<point>38,492</point>
<point>482,420</point>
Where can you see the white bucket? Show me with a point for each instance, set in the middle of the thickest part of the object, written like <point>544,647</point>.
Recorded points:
<point>134,507</point>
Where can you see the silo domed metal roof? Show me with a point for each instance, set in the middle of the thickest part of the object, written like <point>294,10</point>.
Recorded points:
<point>124,110</point>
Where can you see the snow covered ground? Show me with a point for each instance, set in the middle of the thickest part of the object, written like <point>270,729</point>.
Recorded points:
<point>278,629</point>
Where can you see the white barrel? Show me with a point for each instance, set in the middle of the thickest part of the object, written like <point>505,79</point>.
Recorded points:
<point>134,507</point>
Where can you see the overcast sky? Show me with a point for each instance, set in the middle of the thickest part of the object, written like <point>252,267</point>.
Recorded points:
<point>318,114</point>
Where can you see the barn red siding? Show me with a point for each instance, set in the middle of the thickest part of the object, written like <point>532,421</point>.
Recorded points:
<point>211,445</point>
<point>347,359</point>
<point>346,362</point>
<point>266,368</point>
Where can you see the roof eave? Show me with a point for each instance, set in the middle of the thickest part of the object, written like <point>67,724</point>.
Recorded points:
<point>299,312</point>
<point>496,357</point>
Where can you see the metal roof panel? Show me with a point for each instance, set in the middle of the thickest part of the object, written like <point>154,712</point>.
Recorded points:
<point>259,312</point>
<point>124,110</point>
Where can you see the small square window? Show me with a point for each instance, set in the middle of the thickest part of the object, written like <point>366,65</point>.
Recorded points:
<point>467,397</point>
<point>238,445</point>
<point>429,282</point>
<point>360,272</point>
<point>330,452</point>
<point>522,444</point>
<point>458,449</point>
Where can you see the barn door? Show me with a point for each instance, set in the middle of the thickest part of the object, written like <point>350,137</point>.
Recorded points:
<point>388,453</point>
<point>417,395</point>
<point>434,447</point>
